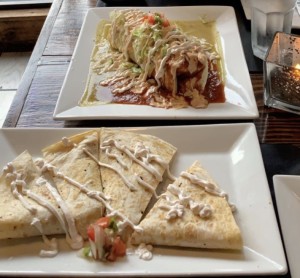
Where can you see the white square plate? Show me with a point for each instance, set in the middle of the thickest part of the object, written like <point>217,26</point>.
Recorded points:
<point>231,153</point>
<point>287,192</point>
<point>240,102</point>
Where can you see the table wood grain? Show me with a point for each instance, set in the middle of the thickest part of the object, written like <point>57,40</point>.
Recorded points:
<point>36,97</point>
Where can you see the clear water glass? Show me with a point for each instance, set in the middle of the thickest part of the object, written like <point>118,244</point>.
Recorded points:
<point>268,17</point>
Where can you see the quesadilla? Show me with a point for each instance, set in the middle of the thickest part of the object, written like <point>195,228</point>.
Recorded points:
<point>31,206</point>
<point>136,165</point>
<point>193,212</point>
<point>53,190</point>
<point>70,158</point>
<point>17,209</point>
<point>114,173</point>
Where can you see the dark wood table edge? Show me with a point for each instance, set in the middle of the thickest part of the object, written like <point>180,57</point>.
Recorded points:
<point>19,101</point>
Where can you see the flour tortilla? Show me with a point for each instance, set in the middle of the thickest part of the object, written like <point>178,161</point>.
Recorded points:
<point>131,203</point>
<point>218,231</point>
<point>73,162</point>
<point>15,219</point>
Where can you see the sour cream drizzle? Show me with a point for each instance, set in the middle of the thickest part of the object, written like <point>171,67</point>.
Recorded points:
<point>18,185</point>
<point>130,185</point>
<point>140,155</point>
<point>73,237</point>
<point>187,45</point>
<point>52,244</point>
<point>45,203</point>
<point>11,173</point>
<point>144,251</point>
<point>208,187</point>
<point>176,207</point>
<point>99,195</point>
<point>132,18</point>
<point>172,35</point>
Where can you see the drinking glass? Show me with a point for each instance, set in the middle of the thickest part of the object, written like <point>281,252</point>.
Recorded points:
<point>268,17</point>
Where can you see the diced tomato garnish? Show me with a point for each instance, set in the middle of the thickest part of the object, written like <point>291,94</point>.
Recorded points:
<point>101,222</point>
<point>113,245</point>
<point>156,18</point>
<point>91,233</point>
<point>166,23</point>
<point>119,247</point>
<point>149,18</point>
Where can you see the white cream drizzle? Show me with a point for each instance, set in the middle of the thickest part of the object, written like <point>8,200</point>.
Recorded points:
<point>172,35</point>
<point>176,207</point>
<point>132,19</point>
<point>140,154</point>
<point>208,187</point>
<point>130,185</point>
<point>45,203</point>
<point>144,251</point>
<point>18,185</point>
<point>72,235</point>
<point>172,50</point>
<point>51,244</point>
<point>16,182</point>
<point>97,194</point>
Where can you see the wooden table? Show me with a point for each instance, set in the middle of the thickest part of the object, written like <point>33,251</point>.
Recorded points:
<point>33,106</point>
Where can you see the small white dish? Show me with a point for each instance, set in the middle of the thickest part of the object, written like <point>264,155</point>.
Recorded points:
<point>230,152</point>
<point>247,10</point>
<point>240,101</point>
<point>287,192</point>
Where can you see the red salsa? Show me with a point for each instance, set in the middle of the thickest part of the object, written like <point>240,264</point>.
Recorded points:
<point>213,92</point>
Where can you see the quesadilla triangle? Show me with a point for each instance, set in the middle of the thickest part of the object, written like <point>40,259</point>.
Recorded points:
<point>132,166</point>
<point>15,218</point>
<point>69,157</point>
<point>27,203</point>
<point>193,212</point>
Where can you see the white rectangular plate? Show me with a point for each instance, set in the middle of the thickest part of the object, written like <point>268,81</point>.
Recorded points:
<point>247,10</point>
<point>240,102</point>
<point>287,192</point>
<point>231,153</point>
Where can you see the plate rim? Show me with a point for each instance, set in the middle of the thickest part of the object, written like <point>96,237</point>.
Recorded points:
<point>280,181</point>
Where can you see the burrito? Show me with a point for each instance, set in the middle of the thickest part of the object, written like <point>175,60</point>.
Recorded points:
<point>177,62</point>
